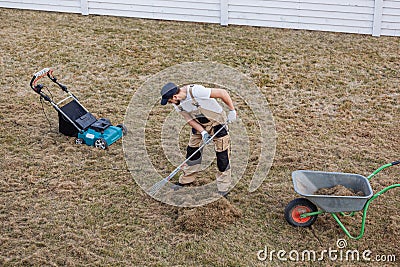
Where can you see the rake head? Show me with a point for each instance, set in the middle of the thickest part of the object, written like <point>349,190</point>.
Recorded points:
<point>157,187</point>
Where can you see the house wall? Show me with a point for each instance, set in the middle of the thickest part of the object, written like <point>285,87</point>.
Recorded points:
<point>391,18</point>
<point>71,6</point>
<point>376,17</point>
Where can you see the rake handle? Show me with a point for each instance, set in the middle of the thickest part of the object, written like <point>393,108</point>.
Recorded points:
<point>172,174</point>
<point>155,188</point>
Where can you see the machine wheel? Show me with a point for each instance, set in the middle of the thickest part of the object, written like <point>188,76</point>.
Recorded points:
<point>124,129</point>
<point>79,141</point>
<point>297,207</point>
<point>101,143</point>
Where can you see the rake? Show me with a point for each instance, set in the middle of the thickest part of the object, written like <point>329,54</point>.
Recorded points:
<point>157,186</point>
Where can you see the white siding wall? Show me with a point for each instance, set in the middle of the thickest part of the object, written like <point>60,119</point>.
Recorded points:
<point>391,18</point>
<point>354,16</point>
<point>71,6</point>
<point>184,10</point>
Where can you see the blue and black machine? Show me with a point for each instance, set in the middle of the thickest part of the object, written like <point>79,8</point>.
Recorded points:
<point>75,120</point>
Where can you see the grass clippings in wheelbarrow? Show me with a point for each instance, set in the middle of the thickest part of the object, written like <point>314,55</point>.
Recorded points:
<point>338,190</point>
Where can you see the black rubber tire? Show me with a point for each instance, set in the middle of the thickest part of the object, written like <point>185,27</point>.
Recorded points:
<point>124,129</point>
<point>79,141</point>
<point>295,208</point>
<point>101,143</point>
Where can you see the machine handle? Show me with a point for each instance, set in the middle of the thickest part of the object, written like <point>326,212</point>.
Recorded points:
<point>37,76</point>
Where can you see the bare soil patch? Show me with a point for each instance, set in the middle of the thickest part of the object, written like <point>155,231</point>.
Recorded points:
<point>212,216</point>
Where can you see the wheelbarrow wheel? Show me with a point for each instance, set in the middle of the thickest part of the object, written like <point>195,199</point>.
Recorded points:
<point>297,207</point>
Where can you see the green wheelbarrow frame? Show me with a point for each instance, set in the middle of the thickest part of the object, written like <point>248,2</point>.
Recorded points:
<point>309,212</point>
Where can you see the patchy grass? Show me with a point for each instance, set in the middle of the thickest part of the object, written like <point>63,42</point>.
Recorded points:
<point>335,100</point>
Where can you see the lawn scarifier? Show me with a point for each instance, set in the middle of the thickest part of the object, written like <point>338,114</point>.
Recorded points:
<point>75,120</point>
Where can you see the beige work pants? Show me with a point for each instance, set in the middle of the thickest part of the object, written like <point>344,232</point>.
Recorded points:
<point>222,149</point>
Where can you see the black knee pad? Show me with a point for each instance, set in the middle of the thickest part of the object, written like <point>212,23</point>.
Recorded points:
<point>223,161</point>
<point>190,150</point>
<point>222,133</point>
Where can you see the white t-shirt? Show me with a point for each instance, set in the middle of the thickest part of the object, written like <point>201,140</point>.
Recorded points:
<point>202,96</point>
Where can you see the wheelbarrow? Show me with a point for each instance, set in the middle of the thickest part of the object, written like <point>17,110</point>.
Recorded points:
<point>303,212</point>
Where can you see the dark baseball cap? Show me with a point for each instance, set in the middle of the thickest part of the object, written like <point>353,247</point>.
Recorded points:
<point>167,92</point>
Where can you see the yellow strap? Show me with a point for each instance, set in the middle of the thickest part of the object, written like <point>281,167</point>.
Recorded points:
<point>194,102</point>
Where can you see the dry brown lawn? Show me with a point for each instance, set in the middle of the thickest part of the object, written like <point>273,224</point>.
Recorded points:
<point>334,97</point>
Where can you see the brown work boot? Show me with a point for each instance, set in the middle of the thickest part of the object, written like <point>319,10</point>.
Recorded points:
<point>179,185</point>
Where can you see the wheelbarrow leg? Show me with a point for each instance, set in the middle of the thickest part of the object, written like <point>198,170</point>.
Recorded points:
<point>347,231</point>
<point>364,217</point>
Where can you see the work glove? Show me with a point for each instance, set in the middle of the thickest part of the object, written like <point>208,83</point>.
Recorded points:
<point>231,116</point>
<point>206,137</point>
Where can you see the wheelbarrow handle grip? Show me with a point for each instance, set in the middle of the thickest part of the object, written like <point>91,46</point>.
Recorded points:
<point>382,168</point>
